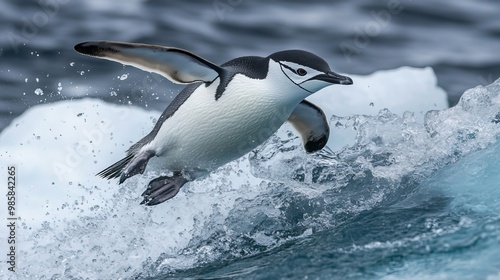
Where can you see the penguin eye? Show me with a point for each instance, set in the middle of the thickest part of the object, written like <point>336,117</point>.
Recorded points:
<point>301,72</point>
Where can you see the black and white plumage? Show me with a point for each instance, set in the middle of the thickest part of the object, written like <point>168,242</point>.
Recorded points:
<point>223,113</point>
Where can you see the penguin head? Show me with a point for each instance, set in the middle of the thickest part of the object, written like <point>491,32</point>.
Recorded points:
<point>307,70</point>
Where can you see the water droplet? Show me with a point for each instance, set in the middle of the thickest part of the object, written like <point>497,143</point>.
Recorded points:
<point>38,91</point>
<point>123,77</point>
<point>37,80</point>
<point>372,104</point>
<point>72,64</point>
<point>59,87</point>
<point>113,93</point>
<point>82,72</point>
<point>26,80</point>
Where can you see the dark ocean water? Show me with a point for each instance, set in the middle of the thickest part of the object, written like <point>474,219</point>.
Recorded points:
<point>390,207</point>
<point>458,39</point>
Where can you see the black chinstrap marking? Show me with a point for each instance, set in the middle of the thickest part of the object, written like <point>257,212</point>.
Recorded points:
<point>284,73</point>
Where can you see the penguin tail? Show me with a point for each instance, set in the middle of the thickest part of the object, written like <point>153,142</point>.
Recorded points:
<point>115,170</point>
<point>132,164</point>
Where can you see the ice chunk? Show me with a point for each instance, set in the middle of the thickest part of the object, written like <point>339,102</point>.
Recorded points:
<point>399,90</point>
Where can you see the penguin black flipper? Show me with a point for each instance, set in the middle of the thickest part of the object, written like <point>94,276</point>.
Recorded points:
<point>310,121</point>
<point>177,65</point>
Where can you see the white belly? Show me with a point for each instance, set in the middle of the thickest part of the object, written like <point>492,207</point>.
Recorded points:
<point>204,134</point>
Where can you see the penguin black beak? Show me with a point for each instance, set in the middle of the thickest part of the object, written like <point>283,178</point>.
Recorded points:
<point>334,78</point>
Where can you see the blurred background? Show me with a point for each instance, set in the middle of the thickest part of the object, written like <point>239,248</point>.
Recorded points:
<point>458,39</point>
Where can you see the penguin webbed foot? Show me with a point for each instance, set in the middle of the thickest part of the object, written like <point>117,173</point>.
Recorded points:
<point>162,189</point>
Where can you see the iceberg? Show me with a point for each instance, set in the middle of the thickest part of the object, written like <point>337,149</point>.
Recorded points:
<point>391,134</point>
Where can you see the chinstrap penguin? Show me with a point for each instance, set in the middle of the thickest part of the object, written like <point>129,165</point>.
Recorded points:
<point>224,111</point>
